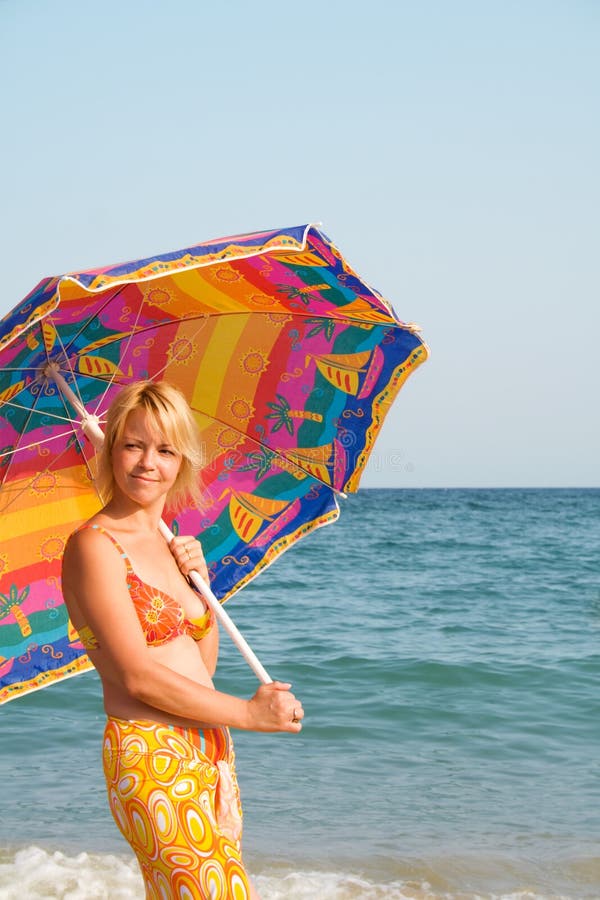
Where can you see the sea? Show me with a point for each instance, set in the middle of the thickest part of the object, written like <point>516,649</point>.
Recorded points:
<point>446,647</point>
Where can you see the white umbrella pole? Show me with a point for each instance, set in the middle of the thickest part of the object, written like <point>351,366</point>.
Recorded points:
<point>92,430</point>
<point>223,617</point>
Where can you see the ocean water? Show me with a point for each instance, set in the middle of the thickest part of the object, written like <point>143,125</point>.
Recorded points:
<point>445,644</point>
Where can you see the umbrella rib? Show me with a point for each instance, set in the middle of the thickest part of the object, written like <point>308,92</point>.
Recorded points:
<point>19,369</point>
<point>18,447</point>
<point>135,331</point>
<point>96,379</point>
<point>296,313</point>
<point>203,317</point>
<point>11,456</point>
<point>65,348</point>
<point>22,447</point>
<point>50,415</point>
<point>155,326</point>
<point>71,371</point>
<point>55,459</point>
<point>68,361</point>
<point>299,313</point>
<point>81,446</point>
<point>161,371</point>
<point>121,357</point>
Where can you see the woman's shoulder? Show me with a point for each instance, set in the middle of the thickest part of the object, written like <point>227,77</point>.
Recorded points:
<point>95,539</point>
<point>88,554</point>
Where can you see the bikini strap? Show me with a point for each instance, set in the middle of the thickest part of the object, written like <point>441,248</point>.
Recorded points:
<point>113,540</point>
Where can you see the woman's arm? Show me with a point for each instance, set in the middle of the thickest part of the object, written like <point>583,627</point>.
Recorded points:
<point>96,593</point>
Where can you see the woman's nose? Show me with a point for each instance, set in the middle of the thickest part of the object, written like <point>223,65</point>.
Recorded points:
<point>148,458</point>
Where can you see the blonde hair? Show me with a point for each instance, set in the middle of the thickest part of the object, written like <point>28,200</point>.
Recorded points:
<point>169,415</point>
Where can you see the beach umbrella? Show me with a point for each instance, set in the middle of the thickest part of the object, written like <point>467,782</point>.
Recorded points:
<point>289,362</point>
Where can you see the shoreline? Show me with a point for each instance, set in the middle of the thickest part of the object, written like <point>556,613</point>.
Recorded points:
<point>39,872</point>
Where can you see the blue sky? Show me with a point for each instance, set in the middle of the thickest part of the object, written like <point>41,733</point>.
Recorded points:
<point>450,149</point>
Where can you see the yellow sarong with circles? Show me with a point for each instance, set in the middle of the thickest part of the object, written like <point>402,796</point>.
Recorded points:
<point>174,795</point>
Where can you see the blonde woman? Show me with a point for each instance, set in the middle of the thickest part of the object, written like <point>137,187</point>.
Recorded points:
<point>168,756</point>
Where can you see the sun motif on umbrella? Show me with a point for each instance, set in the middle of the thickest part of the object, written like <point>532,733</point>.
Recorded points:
<point>158,296</point>
<point>241,409</point>
<point>262,300</point>
<point>43,484</point>
<point>52,548</point>
<point>226,273</point>
<point>254,363</point>
<point>181,351</point>
<point>278,318</point>
<point>228,438</point>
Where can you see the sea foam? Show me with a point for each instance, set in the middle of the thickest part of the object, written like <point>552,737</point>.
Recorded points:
<point>33,873</point>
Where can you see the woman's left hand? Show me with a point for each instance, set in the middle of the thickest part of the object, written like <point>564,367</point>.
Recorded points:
<point>188,555</point>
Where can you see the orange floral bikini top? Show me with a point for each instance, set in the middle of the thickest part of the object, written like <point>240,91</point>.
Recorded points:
<point>161,616</point>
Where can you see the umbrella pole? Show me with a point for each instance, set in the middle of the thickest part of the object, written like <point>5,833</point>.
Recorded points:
<point>92,430</point>
<point>222,617</point>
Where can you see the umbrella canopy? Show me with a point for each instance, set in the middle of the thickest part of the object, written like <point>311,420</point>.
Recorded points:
<point>289,361</point>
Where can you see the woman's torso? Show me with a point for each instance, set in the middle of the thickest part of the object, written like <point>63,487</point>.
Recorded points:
<point>148,568</point>
<point>182,656</point>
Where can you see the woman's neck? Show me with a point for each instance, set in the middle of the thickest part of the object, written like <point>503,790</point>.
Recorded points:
<point>132,516</point>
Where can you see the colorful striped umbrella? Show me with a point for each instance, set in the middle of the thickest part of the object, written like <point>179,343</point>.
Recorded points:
<point>289,361</point>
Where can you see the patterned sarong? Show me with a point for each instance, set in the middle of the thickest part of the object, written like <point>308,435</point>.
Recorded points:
<point>173,793</point>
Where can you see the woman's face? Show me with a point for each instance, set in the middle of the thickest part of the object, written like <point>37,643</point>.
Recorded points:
<point>145,465</point>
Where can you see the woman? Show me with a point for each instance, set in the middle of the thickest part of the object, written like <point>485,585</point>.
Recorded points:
<point>168,757</point>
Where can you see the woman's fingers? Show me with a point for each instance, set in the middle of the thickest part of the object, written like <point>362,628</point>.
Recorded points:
<point>297,712</point>
<point>275,708</point>
<point>188,555</point>
<point>290,705</point>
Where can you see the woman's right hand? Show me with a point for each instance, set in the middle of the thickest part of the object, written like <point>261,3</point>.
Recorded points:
<point>274,708</point>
